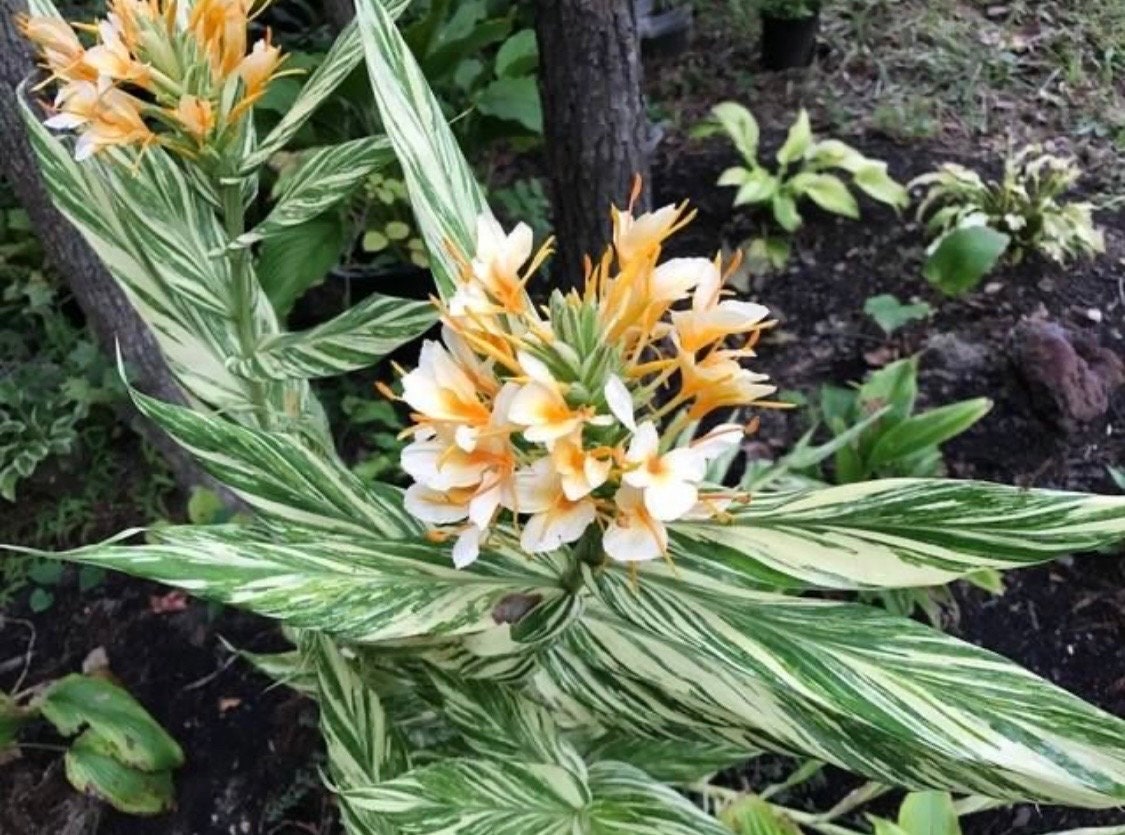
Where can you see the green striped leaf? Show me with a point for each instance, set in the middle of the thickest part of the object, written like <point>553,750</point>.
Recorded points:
<point>489,797</point>
<point>754,816</point>
<point>444,194</point>
<point>154,233</point>
<point>42,8</point>
<point>686,759</point>
<point>325,178</point>
<point>498,722</point>
<point>883,696</point>
<point>283,477</point>
<point>893,533</point>
<point>362,589</point>
<point>357,338</point>
<point>362,747</point>
<point>344,56</point>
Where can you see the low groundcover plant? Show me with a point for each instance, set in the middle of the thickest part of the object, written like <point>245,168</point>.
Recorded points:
<point>541,687</point>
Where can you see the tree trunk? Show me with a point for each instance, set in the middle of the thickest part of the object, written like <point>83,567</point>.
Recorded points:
<point>108,313</point>
<point>597,133</point>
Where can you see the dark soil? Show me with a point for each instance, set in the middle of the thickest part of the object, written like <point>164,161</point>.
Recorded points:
<point>253,752</point>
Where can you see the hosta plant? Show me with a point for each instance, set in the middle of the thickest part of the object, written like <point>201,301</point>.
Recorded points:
<point>807,169</point>
<point>563,617</point>
<point>974,221</point>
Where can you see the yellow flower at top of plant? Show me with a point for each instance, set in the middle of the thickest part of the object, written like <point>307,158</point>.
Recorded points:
<point>558,419</point>
<point>160,74</point>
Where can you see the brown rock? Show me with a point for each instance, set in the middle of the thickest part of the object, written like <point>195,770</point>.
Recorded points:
<point>1070,376</point>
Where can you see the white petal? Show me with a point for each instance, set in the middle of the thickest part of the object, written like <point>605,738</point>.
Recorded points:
<point>620,402</point>
<point>557,526</point>
<point>536,369</point>
<point>634,542</point>
<point>674,278</point>
<point>467,548</point>
<point>537,487</point>
<point>645,443</point>
<point>64,121</point>
<point>719,440</point>
<point>432,506</point>
<point>671,500</point>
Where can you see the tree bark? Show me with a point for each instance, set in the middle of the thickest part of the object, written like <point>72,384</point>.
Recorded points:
<point>108,313</point>
<point>596,129</point>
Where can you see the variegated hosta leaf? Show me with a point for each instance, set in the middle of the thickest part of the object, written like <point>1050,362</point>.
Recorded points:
<point>283,477</point>
<point>843,683</point>
<point>362,746</point>
<point>893,533</point>
<point>357,338</point>
<point>362,589</point>
<point>499,797</point>
<point>444,193</point>
<point>342,58</point>
<point>325,178</point>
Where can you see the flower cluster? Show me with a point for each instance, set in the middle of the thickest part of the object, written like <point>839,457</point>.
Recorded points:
<point>551,417</point>
<point>157,71</point>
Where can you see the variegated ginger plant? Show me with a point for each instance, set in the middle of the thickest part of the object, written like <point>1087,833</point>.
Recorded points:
<point>551,692</point>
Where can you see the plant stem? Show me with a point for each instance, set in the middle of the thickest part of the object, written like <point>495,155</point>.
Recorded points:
<point>234,218</point>
<point>857,797</point>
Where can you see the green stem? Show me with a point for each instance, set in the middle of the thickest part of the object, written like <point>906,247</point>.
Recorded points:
<point>864,794</point>
<point>234,218</point>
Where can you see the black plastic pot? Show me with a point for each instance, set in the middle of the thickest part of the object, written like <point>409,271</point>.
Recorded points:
<point>788,42</point>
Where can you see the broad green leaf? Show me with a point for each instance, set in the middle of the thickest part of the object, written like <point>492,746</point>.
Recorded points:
<point>894,385</point>
<point>93,768</point>
<point>324,179</point>
<point>755,816</point>
<point>759,186</point>
<point>872,178</point>
<point>924,431</point>
<point>785,212</point>
<point>895,533</point>
<point>886,827</point>
<point>514,100</point>
<point>518,55</point>
<point>886,697</point>
<point>798,141</point>
<point>929,813</point>
<point>828,191</point>
<point>890,314</point>
<point>684,759</point>
<point>444,193</point>
<point>963,258</point>
<point>741,127</point>
<point>290,263</point>
<point>342,58</point>
<point>362,747</point>
<point>357,338</point>
<point>1118,476</point>
<point>362,589</point>
<point>832,153</point>
<point>487,797</point>
<point>125,729</point>
<point>282,476</point>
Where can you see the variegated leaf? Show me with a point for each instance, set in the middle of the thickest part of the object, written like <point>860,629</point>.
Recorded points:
<point>444,194</point>
<point>363,589</point>
<point>344,56</point>
<point>843,683</point>
<point>357,338</point>
<point>42,8</point>
<point>892,533</point>
<point>499,722</point>
<point>145,232</point>
<point>362,746</point>
<point>282,476</point>
<point>325,178</point>
<point>688,758</point>
<point>491,797</point>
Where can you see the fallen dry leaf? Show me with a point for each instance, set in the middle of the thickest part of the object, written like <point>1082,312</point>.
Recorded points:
<point>173,601</point>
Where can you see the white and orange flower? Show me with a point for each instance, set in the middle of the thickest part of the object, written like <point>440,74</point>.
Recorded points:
<point>544,422</point>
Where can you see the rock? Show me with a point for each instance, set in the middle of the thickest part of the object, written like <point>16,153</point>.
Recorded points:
<point>953,354</point>
<point>1070,377</point>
